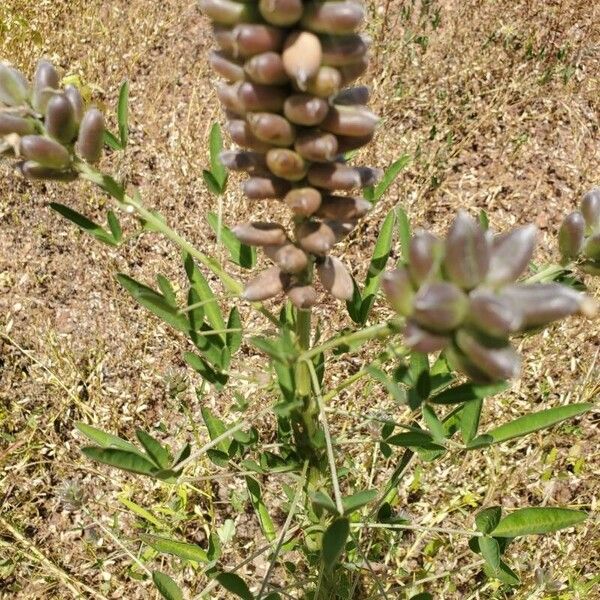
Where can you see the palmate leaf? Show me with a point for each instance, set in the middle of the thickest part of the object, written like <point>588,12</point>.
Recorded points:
<point>168,589</point>
<point>529,521</point>
<point>176,548</point>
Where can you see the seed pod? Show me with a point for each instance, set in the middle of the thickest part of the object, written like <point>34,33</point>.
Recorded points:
<point>350,121</point>
<point>341,229</point>
<point>344,51</point>
<point>339,176</point>
<point>494,315</point>
<point>45,151</point>
<point>286,164</point>
<point>303,109</point>
<point>354,71</point>
<point>32,170</point>
<point>335,278</point>
<point>73,95</point>
<point>302,56</point>
<point>282,13</point>
<point>288,257</point>
<point>325,83</point>
<point>334,17</point>
<point>230,12</point>
<point>316,146</point>
<point>248,39</point>
<point>425,255</point>
<point>421,340</point>
<point>229,97</point>
<point>261,98</point>
<point>303,202</point>
<point>242,135</point>
<point>354,96</point>
<point>315,238</point>
<point>14,89</point>
<point>398,290</point>
<point>510,255</point>
<point>273,129</point>
<point>590,208</point>
<point>252,162</point>
<point>571,235</point>
<point>266,68</point>
<point>225,66</point>
<point>60,119</point>
<point>348,143</point>
<point>260,234</point>
<point>302,297</point>
<point>45,83</point>
<point>592,247</point>
<point>268,284</point>
<point>265,188</point>
<point>343,208</point>
<point>13,124</point>
<point>440,306</point>
<point>91,136</point>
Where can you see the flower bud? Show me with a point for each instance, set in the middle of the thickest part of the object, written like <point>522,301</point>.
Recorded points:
<point>45,151</point>
<point>398,290</point>
<point>467,252</point>
<point>260,234</point>
<point>265,188</point>
<point>335,278</point>
<point>14,89</point>
<point>354,96</point>
<point>45,83</point>
<point>302,56</point>
<point>261,98</point>
<point>73,95</point>
<point>440,306</point>
<point>571,235</point>
<point>241,133</point>
<point>303,202</point>
<point>252,162</point>
<point>268,284</point>
<point>303,297</point>
<point>230,12</point>
<point>316,146</point>
<point>90,141</point>
<point>510,255</point>
<point>325,83</point>
<point>343,208</point>
<point>344,51</point>
<point>351,72</point>
<point>339,176</point>
<point>303,109</point>
<point>334,17</point>
<point>592,247</point>
<point>225,66</point>
<point>425,255</point>
<point>266,68</point>
<point>347,143</point>
<point>60,119</point>
<point>13,124</point>
<point>421,340</point>
<point>590,208</point>
<point>288,257</point>
<point>315,238</point>
<point>286,164</point>
<point>350,121</point>
<point>32,170</point>
<point>273,129</point>
<point>282,13</point>
<point>494,315</point>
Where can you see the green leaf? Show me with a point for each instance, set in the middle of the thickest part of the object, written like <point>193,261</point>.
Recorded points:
<point>412,439</point>
<point>334,542</point>
<point>184,453</point>
<point>167,290</point>
<point>468,391</point>
<point>234,338</point>
<point>398,393</point>
<point>121,459</point>
<point>140,511</point>
<point>176,548</point>
<point>323,500</point>
<point>111,140</point>
<point>85,224</point>
<point>242,255</point>
<point>355,303</point>
<point>114,226</point>
<point>158,454</point>
<point>487,520</point>
<point>490,550</point>
<point>504,574</point>
<point>358,500</point>
<point>201,366</point>
<point>211,183</point>
<point>105,440</point>
<point>403,232</point>
<point>435,426</point>
<point>123,114</point>
<point>266,524</point>
<point>530,521</point>
<point>484,220</point>
<point>168,589</point>
<point>216,427</point>
<point>390,176</point>
<point>469,419</point>
<point>236,585</point>
<point>218,171</point>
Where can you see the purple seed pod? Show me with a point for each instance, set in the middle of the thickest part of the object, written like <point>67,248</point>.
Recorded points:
<point>398,289</point>
<point>246,40</point>
<point>302,57</point>
<point>45,84</point>
<point>32,170</point>
<point>288,257</point>
<point>272,129</point>
<point>590,208</point>
<point>316,146</point>
<point>286,164</point>
<point>230,12</point>
<point>343,208</point>
<point>339,176</point>
<point>229,97</point>
<point>260,234</point>
<point>251,162</point>
<point>494,315</point>
<point>304,109</point>
<point>13,124</point>
<point>315,238</point>
<point>344,51</point>
<point>282,13</point>
<point>45,151</point>
<point>336,17</point>
<point>426,253</point>
<point>459,362</point>
<point>510,255</point>
<point>266,69</point>
<point>73,95</point>
<point>303,297</point>
<point>90,141</point>
<point>60,119</point>
<point>335,278</point>
<point>261,98</point>
<point>347,143</point>
<point>421,340</point>
<point>14,89</point>
<point>353,121</point>
<point>225,66</point>
<point>497,363</point>
<point>440,306</point>
<point>354,96</point>
<point>325,83</point>
<point>268,284</point>
<point>342,229</point>
<point>303,202</point>
<point>265,188</point>
<point>241,133</point>
<point>571,235</point>
<point>592,247</point>
<point>467,252</point>
<point>353,71</point>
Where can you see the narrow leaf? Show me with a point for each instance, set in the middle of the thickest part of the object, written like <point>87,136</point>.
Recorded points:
<point>358,500</point>
<point>487,520</point>
<point>390,176</point>
<point>140,511</point>
<point>114,226</point>
<point>435,426</point>
<point>111,140</point>
<point>211,183</point>
<point>105,440</point>
<point>216,166</point>
<point>84,224</point>
<point>234,338</point>
<point>167,290</point>
<point>266,524</point>
<point>469,419</point>
<point>468,391</point>
<point>403,232</point>
<point>121,459</point>
<point>242,255</point>
<point>176,548</point>
<point>168,589</point>
<point>334,542</point>
<point>490,550</point>
<point>123,114</point>
<point>216,427</point>
<point>529,521</point>
<point>158,454</point>
<point>236,585</point>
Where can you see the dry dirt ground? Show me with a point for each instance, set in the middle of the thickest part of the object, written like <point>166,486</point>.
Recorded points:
<point>498,104</point>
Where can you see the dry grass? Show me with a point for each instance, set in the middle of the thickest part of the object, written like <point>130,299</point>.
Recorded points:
<point>498,104</point>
